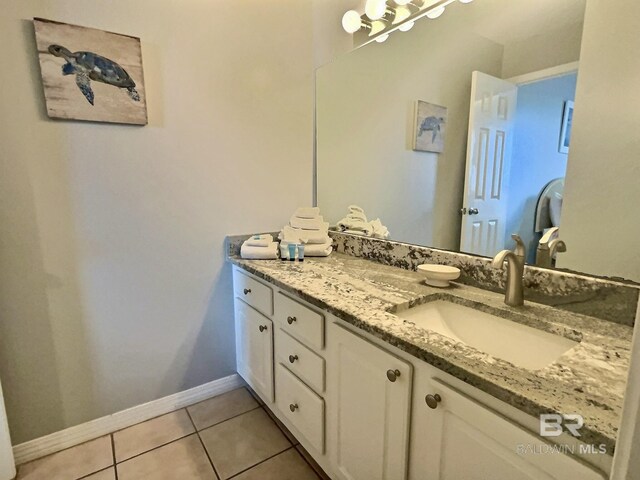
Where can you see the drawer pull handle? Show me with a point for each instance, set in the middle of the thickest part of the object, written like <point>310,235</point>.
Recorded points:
<point>262,328</point>
<point>433,400</point>
<point>393,375</point>
<point>293,407</point>
<point>290,320</point>
<point>247,291</point>
<point>293,358</point>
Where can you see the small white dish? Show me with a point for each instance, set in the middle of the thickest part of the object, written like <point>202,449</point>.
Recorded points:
<point>438,275</point>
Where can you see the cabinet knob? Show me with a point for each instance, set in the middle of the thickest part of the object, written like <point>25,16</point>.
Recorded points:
<point>392,375</point>
<point>290,320</point>
<point>247,291</point>
<point>293,358</point>
<point>262,328</point>
<point>293,407</point>
<point>433,400</point>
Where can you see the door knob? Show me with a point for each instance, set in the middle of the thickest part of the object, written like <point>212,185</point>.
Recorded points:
<point>262,328</point>
<point>473,211</point>
<point>247,291</point>
<point>293,358</point>
<point>290,320</point>
<point>433,400</point>
<point>463,211</point>
<point>293,407</point>
<point>392,375</point>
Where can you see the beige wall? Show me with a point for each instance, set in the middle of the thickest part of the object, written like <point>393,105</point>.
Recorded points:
<point>602,197</point>
<point>113,289</point>
<point>365,121</point>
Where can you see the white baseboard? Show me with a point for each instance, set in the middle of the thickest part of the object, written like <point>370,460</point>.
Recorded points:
<point>40,447</point>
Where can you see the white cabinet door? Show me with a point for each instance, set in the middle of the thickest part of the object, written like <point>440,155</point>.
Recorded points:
<point>463,439</point>
<point>254,349</point>
<point>372,410</point>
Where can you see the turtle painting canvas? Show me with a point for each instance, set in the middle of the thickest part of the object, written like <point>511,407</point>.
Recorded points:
<point>430,129</point>
<point>91,74</point>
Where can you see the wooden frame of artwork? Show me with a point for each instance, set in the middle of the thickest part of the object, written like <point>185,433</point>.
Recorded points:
<point>90,74</point>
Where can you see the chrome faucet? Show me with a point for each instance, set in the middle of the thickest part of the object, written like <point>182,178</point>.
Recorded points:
<point>546,251</point>
<point>513,295</point>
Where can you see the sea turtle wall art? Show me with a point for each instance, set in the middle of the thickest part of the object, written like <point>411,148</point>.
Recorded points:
<point>91,74</point>
<point>431,126</point>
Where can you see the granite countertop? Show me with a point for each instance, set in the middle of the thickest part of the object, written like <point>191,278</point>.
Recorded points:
<point>589,379</point>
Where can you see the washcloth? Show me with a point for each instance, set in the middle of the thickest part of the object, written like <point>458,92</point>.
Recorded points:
<point>297,235</point>
<point>348,224</point>
<point>270,252</point>
<point>319,250</point>
<point>307,212</point>
<point>379,230</point>
<point>316,223</point>
<point>262,240</point>
<point>357,216</point>
<point>355,208</point>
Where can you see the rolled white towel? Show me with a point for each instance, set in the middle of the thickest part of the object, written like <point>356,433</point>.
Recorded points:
<point>307,212</point>
<point>348,224</point>
<point>357,216</point>
<point>270,252</point>
<point>318,250</point>
<point>262,240</point>
<point>297,235</point>
<point>355,208</point>
<point>316,223</point>
<point>379,230</point>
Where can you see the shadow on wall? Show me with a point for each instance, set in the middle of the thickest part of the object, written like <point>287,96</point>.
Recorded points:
<point>210,342</point>
<point>41,314</point>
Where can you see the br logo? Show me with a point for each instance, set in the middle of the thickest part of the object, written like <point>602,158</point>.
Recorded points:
<point>553,424</point>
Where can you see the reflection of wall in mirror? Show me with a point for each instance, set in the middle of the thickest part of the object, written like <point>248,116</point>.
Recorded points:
<point>535,158</point>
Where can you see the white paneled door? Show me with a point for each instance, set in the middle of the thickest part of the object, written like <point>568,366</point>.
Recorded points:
<point>491,124</point>
<point>7,466</point>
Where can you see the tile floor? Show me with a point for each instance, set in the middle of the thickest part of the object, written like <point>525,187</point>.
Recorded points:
<point>229,436</point>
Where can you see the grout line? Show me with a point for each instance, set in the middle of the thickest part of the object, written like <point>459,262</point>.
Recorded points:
<point>113,452</point>
<point>261,462</point>
<point>308,462</point>
<point>206,452</point>
<point>275,420</point>
<point>155,448</point>
<point>226,420</point>
<point>93,473</point>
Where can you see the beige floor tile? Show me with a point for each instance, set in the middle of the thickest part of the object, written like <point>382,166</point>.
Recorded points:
<point>286,466</point>
<point>109,474</point>
<point>221,408</point>
<point>70,464</point>
<point>286,431</point>
<point>181,460</point>
<point>317,468</point>
<point>145,436</point>
<point>254,395</point>
<point>243,441</point>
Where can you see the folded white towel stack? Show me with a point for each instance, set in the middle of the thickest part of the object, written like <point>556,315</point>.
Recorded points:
<point>306,226</point>
<point>259,247</point>
<point>356,223</point>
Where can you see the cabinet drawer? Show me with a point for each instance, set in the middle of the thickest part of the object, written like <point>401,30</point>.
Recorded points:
<point>300,360</point>
<point>303,408</point>
<point>300,322</point>
<point>256,294</point>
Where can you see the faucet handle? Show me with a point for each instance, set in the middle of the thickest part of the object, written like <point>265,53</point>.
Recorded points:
<point>521,249</point>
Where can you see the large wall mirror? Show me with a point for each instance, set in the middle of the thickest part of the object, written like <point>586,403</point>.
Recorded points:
<point>496,82</point>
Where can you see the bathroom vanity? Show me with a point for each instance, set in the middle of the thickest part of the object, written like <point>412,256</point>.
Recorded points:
<point>339,350</point>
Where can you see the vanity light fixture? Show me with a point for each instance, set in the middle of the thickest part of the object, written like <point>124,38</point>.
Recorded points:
<point>352,22</point>
<point>383,17</point>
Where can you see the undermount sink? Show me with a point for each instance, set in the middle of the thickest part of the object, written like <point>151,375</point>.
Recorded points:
<point>519,344</point>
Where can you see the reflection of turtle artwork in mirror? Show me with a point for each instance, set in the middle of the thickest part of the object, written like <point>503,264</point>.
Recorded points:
<point>91,74</point>
<point>431,122</point>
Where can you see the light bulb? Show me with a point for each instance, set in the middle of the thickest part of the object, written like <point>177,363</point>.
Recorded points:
<point>351,21</point>
<point>435,13</point>
<point>465,1</point>
<point>405,27</point>
<point>375,9</point>
<point>382,38</point>
<point>402,13</point>
<point>376,27</point>
<point>402,2</point>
